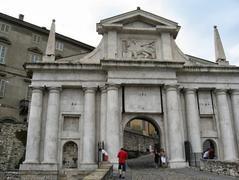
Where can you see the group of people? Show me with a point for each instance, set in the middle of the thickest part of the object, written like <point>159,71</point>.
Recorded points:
<point>160,158</point>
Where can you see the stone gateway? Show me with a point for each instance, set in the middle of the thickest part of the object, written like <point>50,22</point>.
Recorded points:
<point>136,72</point>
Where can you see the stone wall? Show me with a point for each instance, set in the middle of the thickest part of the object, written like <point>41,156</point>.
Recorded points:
<point>10,175</point>
<point>220,167</point>
<point>134,141</point>
<point>12,144</point>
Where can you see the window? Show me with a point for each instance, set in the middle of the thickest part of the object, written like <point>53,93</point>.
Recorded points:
<point>35,58</point>
<point>36,38</point>
<point>2,87</point>
<point>59,46</point>
<point>4,27</point>
<point>3,51</point>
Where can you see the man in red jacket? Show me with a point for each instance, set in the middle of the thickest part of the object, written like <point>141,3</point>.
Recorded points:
<point>122,156</point>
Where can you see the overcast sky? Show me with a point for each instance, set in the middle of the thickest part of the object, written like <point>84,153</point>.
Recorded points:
<point>77,19</point>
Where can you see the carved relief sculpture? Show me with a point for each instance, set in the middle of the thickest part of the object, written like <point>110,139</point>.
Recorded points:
<point>138,49</point>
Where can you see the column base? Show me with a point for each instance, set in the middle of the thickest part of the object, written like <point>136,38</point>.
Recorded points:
<point>30,162</point>
<point>39,171</point>
<point>88,166</point>
<point>177,164</point>
<point>38,167</point>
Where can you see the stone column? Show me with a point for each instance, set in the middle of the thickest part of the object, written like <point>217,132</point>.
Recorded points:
<point>235,107</point>
<point>193,120</point>
<point>113,123</point>
<point>51,133</point>
<point>176,145</point>
<point>227,136</point>
<point>89,147</point>
<point>103,114</point>
<point>34,127</point>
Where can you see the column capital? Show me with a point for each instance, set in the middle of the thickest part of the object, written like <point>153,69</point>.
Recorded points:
<point>234,91</point>
<point>221,91</point>
<point>171,87</point>
<point>89,89</point>
<point>190,90</point>
<point>36,87</point>
<point>112,86</point>
<point>54,88</point>
<point>103,89</point>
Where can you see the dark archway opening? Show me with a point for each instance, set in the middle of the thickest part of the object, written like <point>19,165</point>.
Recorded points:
<point>141,136</point>
<point>210,145</point>
<point>70,155</point>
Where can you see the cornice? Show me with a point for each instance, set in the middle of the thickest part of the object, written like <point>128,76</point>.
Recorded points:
<point>107,63</point>
<point>60,66</point>
<point>221,69</point>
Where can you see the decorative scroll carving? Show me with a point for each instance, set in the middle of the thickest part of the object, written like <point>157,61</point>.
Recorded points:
<point>138,49</point>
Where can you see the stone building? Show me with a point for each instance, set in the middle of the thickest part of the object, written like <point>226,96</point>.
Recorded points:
<point>136,72</point>
<point>22,42</point>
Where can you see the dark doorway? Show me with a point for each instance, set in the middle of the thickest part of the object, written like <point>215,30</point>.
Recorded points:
<point>70,155</point>
<point>210,144</point>
<point>141,137</point>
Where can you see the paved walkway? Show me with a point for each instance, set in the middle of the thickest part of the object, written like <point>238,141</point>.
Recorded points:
<point>143,169</point>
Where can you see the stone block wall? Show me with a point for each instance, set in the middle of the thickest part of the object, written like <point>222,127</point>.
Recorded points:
<point>134,141</point>
<point>10,175</point>
<point>12,144</point>
<point>220,167</point>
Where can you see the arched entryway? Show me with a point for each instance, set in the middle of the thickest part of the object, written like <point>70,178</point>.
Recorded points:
<point>210,144</point>
<point>141,136</point>
<point>70,155</point>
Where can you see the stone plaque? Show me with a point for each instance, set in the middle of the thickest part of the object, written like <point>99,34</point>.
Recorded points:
<point>71,123</point>
<point>138,49</point>
<point>205,102</point>
<point>143,99</point>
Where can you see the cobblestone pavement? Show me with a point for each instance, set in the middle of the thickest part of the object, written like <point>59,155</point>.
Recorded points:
<point>143,169</point>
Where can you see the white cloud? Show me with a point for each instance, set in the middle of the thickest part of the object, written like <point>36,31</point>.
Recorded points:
<point>77,19</point>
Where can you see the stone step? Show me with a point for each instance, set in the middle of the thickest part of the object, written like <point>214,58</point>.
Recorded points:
<point>73,174</point>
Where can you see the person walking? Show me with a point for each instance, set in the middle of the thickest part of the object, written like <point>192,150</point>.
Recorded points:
<point>122,156</point>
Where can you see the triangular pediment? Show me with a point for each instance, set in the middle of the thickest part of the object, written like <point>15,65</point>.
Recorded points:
<point>139,24</point>
<point>139,16</point>
<point>138,20</point>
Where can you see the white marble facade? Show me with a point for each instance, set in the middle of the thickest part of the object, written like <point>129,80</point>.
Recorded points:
<point>136,71</point>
